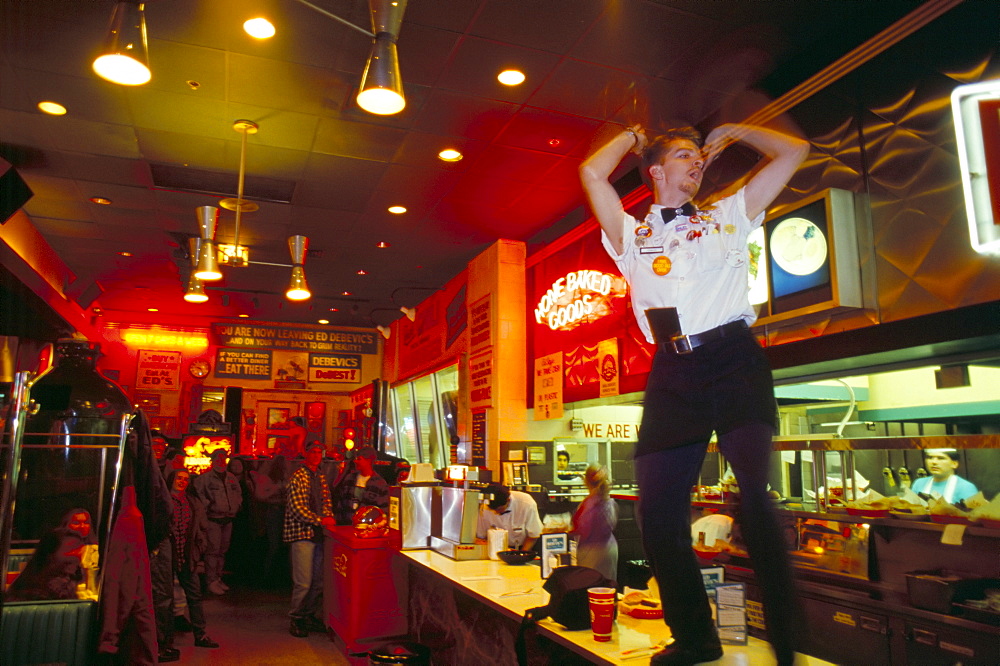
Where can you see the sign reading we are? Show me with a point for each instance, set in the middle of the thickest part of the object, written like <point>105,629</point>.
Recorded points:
<point>256,336</point>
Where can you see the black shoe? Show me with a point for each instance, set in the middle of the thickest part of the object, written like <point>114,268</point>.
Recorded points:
<point>296,630</point>
<point>181,624</point>
<point>168,654</point>
<point>681,655</point>
<point>205,642</point>
<point>312,624</point>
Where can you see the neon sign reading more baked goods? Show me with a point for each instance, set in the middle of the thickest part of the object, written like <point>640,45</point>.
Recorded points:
<point>577,298</point>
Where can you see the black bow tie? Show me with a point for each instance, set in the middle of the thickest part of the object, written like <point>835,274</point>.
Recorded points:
<point>669,214</point>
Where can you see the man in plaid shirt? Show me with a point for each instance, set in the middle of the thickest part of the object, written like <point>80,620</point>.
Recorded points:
<point>309,510</point>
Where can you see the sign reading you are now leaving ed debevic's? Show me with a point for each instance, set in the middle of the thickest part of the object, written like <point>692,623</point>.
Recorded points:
<point>304,339</point>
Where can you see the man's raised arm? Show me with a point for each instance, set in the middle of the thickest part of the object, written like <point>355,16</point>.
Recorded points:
<point>594,174</point>
<point>784,152</point>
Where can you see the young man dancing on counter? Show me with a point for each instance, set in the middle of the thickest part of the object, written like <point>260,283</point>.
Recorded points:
<point>688,265</point>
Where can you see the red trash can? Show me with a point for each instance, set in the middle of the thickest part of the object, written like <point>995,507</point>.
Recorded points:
<point>364,589</point>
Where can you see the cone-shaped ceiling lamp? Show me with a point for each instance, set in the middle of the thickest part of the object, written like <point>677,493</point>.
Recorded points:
<point>381,90</point>
<point>298,290</point>
<point>208,264</point>
<point>195,291</point>
<point>124,59</point>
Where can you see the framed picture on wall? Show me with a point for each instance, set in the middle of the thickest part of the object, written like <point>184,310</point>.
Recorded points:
<point>277,415</point>
<point>148,402</point>
<point>165,424</point>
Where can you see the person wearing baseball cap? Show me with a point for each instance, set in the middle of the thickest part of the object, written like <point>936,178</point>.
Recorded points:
<point>360,486</point>
<point>308,512</point>
<point>511,510</point>
<point>220,492</point>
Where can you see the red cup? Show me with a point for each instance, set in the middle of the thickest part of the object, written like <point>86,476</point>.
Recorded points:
<point>602,612</point>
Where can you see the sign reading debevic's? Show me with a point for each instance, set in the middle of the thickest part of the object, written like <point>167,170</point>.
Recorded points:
<point>334,340</point>
<point>335,368</point>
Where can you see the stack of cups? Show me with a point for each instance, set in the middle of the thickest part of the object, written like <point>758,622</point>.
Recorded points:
<point>602,612</point>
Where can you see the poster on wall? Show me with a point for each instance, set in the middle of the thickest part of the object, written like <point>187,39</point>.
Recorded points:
<point>147,402</point>
<point>548,387</point>
<point>290,366</point>
<point>479,438</point>
<point>481,381</point>
<point>243,363</point>
<point>343,368</point>
<point>158,370</point>
<point>257,336</point>
<point>480,326</point>
<point>607,362</point>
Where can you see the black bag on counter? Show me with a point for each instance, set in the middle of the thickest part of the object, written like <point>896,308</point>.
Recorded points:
<point>568,604</point>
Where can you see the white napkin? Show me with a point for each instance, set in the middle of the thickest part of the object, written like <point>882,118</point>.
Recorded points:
<point>496,540</point>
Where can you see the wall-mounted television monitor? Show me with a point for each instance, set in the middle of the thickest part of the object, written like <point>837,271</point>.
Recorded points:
<point>811,257</point>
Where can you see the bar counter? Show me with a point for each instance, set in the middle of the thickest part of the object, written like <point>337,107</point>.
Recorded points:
<point>509,590</point>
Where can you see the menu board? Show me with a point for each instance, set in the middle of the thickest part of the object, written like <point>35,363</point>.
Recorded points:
<point>479,438</point>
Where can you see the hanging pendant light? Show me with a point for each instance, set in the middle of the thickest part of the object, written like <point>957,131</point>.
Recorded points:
<point>381,90</point>
<point>237,255</point>
<point>208,265</point>
<point>195,291</point>
<point>298,290</point>
<point>125,57</point>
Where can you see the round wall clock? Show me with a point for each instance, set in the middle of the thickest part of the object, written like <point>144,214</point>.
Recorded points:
<point>199,368</point>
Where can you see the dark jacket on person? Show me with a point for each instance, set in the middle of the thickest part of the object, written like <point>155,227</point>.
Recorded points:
<point>221,493</point>
<point>346,500</point>
<point>141,470</point>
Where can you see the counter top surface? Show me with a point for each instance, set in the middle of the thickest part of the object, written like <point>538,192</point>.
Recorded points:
<point>512,589</point>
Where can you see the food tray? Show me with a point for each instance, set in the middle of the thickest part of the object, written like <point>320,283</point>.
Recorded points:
<point>975,614</point>
<point>942,519</point>
<point>905,515</point>
<point>640,611</point>
<point>867,513</point>
<point>936,590</point>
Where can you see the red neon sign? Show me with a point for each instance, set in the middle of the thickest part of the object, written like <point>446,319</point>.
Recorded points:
<point>577,298</point>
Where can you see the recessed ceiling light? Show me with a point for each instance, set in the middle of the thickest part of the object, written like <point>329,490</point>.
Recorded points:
<point>554,142</point>
<point>345,293</point>
<point>450,155</point>
<point>52,108</point>
<point>334,309</point>
<point>259,27</point>
<point>243,314</point>
<point>362,271</point>
<point>152,309</point>
<point>323,321</point>
<point>511,77</point>
<point>397,210</point>
<point>125,254</point>
<point>103,201</point>
<point>382,244</point>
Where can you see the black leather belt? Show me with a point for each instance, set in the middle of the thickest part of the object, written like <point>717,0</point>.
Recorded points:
<point>684,344</point>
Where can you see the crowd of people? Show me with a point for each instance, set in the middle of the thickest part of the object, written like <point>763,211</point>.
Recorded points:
<point>261,521</point>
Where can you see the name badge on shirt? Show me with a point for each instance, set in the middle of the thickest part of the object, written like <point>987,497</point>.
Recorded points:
<point>652,249</point>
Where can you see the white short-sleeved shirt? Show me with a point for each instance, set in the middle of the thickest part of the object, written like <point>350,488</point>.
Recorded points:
<point>706,260</point>
<point>521,519</point>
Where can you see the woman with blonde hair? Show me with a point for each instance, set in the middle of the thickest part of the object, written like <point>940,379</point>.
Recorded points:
<point>594,523</point>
